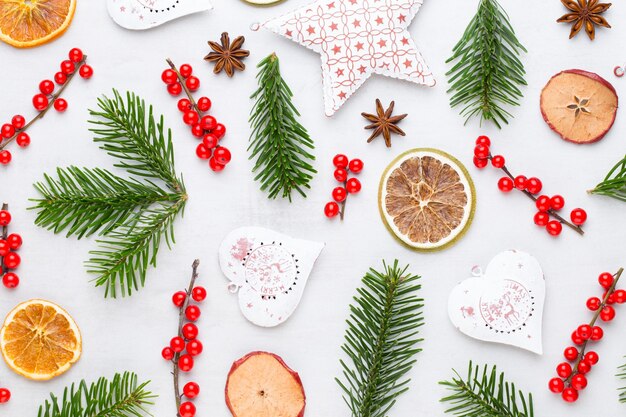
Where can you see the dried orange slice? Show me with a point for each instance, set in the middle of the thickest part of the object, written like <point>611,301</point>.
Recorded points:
<point>426,199</point>
<point>40,340</point>
<point>29,23</point>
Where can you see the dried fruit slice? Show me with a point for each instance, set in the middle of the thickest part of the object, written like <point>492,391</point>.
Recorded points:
<point>426,199</point>
<point>40,340</point>
<point>28,23</point>
<point>578,105</point>
<point>261,385</point>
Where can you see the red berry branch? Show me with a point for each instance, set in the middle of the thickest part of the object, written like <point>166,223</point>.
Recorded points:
<point>547,206</point>
<point>185,346</point>
<point>203,126</point>
<point>572,378</point>
<point>44,101</point>
<point>349,185</point>
<point>8,244</point>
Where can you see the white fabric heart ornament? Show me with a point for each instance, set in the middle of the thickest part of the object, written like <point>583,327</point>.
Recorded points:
<point>269,271</point>
<point>146,14</point>
<point>505,305</point>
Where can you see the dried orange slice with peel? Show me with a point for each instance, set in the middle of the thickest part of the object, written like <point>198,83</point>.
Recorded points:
<point>426,199</point>
<point>40,340</point>
<point>29,23</point>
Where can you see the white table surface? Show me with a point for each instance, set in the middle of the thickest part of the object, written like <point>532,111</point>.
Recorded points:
<point>128,334</point>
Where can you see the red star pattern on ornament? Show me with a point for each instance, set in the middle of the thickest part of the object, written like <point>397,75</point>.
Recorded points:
<point>357,38</point>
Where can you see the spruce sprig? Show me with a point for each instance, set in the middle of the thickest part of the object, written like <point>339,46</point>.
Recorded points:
<point>622,375</point>
<point>132,215</point>
<point>278,141</point>
<point>122,396</point>
<point>488,73</point>
<point>485,394</point>
<point>614,184</point>
<point>381,340</point>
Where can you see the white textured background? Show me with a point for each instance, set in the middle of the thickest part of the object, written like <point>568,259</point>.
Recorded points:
<point>128,334</point>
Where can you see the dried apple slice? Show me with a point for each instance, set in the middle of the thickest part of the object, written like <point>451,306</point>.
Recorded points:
<point>261,385</point>
<point>578,105</point>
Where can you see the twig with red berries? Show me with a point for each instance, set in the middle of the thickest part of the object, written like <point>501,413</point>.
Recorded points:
<point>546,206</point>
<point>186,341</point>
<point>572,379</point>
<point>8,244</point>
<point>203,126</point>
<point>349,185</point>
<point>44,101</point>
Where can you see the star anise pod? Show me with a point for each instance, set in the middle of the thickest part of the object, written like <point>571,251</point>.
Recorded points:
<point>585,13</point>
<point>227,56</point>
<point>384,123</point>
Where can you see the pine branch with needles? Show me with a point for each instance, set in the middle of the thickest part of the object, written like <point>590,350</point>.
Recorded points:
<point>622,376</point>
<point>614,184</point>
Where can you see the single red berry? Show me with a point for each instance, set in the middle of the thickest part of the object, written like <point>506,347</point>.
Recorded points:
<point>355,166</point>
<point>353,186</point>
<point>607,313</point>
<point>5,218</point>
<point>505,184</point>
<point>185,70</point>
<point>86,71</point>
<point>204,104</point>
<point>187,409</point>
<point>578,216</point>
<point>498,161</point>
<point>579,382</point>
<point>222,155</point>
<point>584,331</point>
<point>210,140</point>
<point>339,194</point>
<point>191,390</point>
<point>179,298</point>
<point>185,362</point>
<point>557,202</point>
<point>554,227</point>
<point>605,280</point>
<point>592,357</point>
<point>610,299</point>
<point>22,139</point>
<point>192,313</point>
<point>175,89</point>
<point>543,203</point>
<point>203,152</point>
<point>14,240</point>
<point>5,157</point>
<point>60,104</point>
<point>483,140</point>
<point>534,185</point>
<point>570,353</point>
<point>10,280</point>
<point>219,131</point>
<point>208,122</point>
<point>197,130</point>
<point>577,339</point>
<point>520,182</point>
<point>331,209</point>
<point>190,331</point>
<point>215,165</point>
<point>177,344</point>
<point>46,87</point>
<point>620,296</point>
<point>4,247</point>
<point>542,218</point>
<point>480,163</point>
<point>583,367</point>
<point>60,78</point>
<point>192,83</point>
<point>40,102</point>
<point>7,131</point>
<point>190,117</point>
<point>556,385</point>
<point>481,151</point>
<point>198,294</point>
<point>18,121</point>
<point>564,370</point>
<point>340,161</point>
<point>184,105</point>
<point>167,353</point>
<point>593,303</point>
<point>596,333</point>
<point>12,260</point>
<point>341,174</point>
<point>5,395</point>
<point>75,55</point>
<point>67,67</point>
<point>194,347</point>
<point>570,395</point>
<point>169,76</point>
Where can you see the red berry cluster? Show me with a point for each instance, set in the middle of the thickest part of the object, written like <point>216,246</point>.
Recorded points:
<point>344,167</point>
<point>184,347</point>
<point>43,101</point>
<point>203,126</point>
<point>572,378</point>
<point>8,244</point>
<point>547,206</point>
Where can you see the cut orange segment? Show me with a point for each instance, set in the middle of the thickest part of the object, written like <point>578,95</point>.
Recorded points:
<point>29,23</point>
<point>426,199</point>
<point>40,340</point>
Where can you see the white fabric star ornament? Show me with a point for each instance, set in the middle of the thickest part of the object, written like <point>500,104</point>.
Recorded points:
<point>357,38</point>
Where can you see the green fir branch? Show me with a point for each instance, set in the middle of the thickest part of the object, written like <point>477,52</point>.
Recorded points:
<point>485,394</point>
<point>381,340</point>
<point>278,141</point>
<point>622,376</point>
<point>614,184</point>
<point>122,396</point>
<point>488,73</point>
